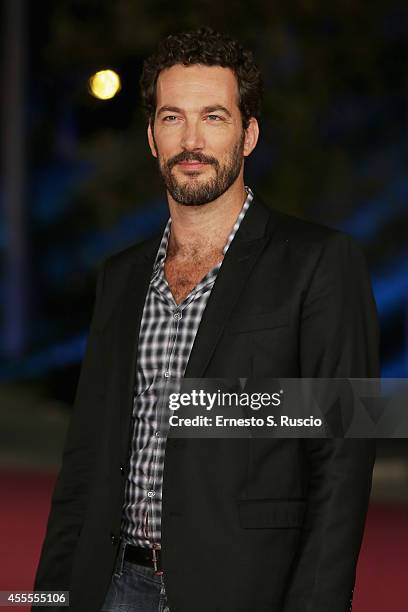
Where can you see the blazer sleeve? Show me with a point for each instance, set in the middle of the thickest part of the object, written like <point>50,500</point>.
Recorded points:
<point>339,338</point>
<point>70,492</point>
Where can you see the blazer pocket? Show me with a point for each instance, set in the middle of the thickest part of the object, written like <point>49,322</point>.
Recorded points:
<point>257,321</point>
<point>273,513</point>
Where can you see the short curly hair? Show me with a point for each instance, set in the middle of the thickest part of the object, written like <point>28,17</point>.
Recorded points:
<point>210,48</point>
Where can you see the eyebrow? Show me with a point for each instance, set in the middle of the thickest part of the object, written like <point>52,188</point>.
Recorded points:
<point>205,109</point>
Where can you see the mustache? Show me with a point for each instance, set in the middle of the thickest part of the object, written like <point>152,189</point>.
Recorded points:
<point>189,156</point>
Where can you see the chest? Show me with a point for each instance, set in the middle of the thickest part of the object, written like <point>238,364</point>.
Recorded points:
<point>183,276</point>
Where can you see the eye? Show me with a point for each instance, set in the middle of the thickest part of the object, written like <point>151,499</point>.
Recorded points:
<point>169,118</point>
<point>214,117</point>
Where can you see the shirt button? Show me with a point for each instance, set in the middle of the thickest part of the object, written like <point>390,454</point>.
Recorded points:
<point>166,374</point>
<point>157,434</point>
<point>151,493</point>
<point>177,315</point>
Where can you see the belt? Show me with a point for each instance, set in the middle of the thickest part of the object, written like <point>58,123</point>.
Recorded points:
<point>149,557</point>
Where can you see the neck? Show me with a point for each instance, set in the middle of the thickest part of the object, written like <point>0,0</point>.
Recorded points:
<point>204,228</point>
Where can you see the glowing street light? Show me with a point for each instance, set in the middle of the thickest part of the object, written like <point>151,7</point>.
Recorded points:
<point>104,84</point>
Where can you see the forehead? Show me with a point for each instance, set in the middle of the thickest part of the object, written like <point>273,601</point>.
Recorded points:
<point>197,84</point>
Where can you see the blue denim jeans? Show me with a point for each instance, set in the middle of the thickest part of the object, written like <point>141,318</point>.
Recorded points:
<point>134,588</point>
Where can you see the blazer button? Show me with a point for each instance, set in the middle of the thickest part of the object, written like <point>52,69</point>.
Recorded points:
<point>122,470</point>
<point>114,539</point>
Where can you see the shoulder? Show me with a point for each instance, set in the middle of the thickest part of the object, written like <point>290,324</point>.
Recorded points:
<point>146,248</point>
<point>307,247</point>
<point>114,271</point>
<point>117,265</point>
<point>307,237</point>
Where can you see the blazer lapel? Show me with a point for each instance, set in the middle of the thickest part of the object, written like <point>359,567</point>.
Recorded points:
<point>133,300</point>
<point>248,243</point>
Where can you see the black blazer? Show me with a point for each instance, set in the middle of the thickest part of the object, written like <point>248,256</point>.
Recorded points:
<point>247,524</point>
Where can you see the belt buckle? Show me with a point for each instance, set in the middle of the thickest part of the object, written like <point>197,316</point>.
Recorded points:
<point>158,571</point>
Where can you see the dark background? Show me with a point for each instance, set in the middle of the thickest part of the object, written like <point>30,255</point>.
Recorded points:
<point>78,181</point>
<point>333,149</point>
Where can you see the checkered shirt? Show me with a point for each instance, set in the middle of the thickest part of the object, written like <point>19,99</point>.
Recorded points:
<point>166,338</point>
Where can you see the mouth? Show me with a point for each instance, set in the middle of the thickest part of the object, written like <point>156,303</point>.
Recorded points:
<point>192,165</point>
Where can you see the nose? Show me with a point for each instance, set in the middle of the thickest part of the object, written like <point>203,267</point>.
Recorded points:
<point>192,138</point>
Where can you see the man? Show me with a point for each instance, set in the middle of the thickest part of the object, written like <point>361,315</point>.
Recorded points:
<point>230,289</point>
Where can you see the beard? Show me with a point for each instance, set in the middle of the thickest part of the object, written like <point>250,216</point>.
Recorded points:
<point>194,191</point>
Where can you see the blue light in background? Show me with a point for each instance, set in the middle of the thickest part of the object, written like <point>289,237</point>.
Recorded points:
<point>58,356</point>
<point>391,287</point>
<point>371,216</point>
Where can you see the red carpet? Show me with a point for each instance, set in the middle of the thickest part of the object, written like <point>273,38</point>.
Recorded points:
<point>382,571</point>
<point>23,512</point>
<point>382,576</point>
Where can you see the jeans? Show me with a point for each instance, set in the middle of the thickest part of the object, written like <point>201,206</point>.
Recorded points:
<point>134,588</point>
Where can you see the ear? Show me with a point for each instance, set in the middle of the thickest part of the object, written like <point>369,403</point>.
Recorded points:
<point>151,140</point>
<point>251,136</point>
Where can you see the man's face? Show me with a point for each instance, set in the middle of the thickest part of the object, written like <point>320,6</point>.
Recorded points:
<point>197,134</point>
